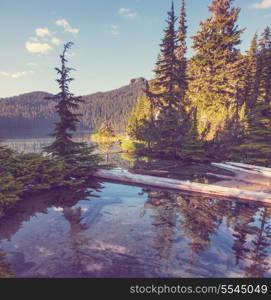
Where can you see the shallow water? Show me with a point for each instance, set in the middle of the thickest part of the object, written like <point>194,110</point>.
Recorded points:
<point>119,230</point>
<point>127,231</point>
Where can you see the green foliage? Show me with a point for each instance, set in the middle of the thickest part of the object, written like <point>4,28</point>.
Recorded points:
<point>216,68</point>
<point>106,134</point>
<point>252,74</point>
<point>192,148</point>
<point>132,146</point>
<point>256,147</point>
<point>10,189</point>
<point>106,130</point>
<point>32,172</point>
<point>231,135</point>
<point>141,125</point>
<point>265,67</point>
<point>36,172</point>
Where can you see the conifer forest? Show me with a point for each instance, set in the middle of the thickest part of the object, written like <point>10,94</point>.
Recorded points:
<point>166,177</point>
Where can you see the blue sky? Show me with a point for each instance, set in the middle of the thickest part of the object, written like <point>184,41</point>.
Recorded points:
<point>115,40</point>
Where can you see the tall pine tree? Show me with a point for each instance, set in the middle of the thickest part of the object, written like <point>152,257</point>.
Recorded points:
<point>252,74</point>
<point>181,54</point>
<point>63,146</point>
<point>170,86</point>
<point>265,61</point>
<point>215,68</point>
<point>167,66</point>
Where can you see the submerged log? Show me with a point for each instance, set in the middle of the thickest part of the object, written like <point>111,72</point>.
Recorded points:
<point>221,176</point>
<point>173,184</point>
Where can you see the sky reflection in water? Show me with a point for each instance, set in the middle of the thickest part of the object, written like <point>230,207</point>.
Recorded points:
<point>125,231</point>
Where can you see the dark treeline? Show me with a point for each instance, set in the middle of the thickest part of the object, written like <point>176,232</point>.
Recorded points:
<point>213,106</point>
<point>32,111</point>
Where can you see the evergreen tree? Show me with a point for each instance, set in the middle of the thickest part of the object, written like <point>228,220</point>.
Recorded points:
<point>171,82</point>
<point>180,54</point>
<point>63,146</point>
<point>256,147</point>
<point>253,70</point>
<point>215,68</point>
<point>67,103</point>
<point>228,138</point>
<point>265,61</point>
<point>162,118</point>
<point>167,66</point>
<point>106,129</point>
<point>192,148</point>
<point>141,125</point>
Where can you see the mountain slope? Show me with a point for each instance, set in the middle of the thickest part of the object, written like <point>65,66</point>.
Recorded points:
<point>32,114</point>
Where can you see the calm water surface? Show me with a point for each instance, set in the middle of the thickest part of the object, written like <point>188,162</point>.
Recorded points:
<point>116,230</point>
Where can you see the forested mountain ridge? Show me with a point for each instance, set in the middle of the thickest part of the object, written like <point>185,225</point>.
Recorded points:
<point>32,112</point>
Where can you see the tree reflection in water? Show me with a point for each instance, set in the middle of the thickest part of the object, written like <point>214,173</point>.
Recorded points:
<point>186,235</point>
<point>198,219</point>
<point>257,256</point>
<point>164,222</point>
<point>63,198</point>
<point>5,267</point>
<point>76,239</point>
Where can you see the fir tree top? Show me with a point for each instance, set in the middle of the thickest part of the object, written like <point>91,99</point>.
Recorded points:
<point>265,41</point>
<point>165,70</point>
<point>181,36</point>
<point>219,7</point>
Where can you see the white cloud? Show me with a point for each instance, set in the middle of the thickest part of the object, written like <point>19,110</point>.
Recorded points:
<point>67,27</point>
<point>115,30</point>
<point>263,4</point>
<point>43,32</point>
<point>127,13</point>
<point>42,48</point>
<point>56,41</point>
<point>16,74</point>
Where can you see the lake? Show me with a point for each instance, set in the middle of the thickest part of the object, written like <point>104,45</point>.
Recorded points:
<point>115,230</point>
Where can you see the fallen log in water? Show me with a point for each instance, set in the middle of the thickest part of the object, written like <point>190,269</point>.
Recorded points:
<point>235,169</point>
<point>126,177</point>
<point>258,180</point>
<point>261,170</point>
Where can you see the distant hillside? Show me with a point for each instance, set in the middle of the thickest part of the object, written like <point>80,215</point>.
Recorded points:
<point>32,114</point>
